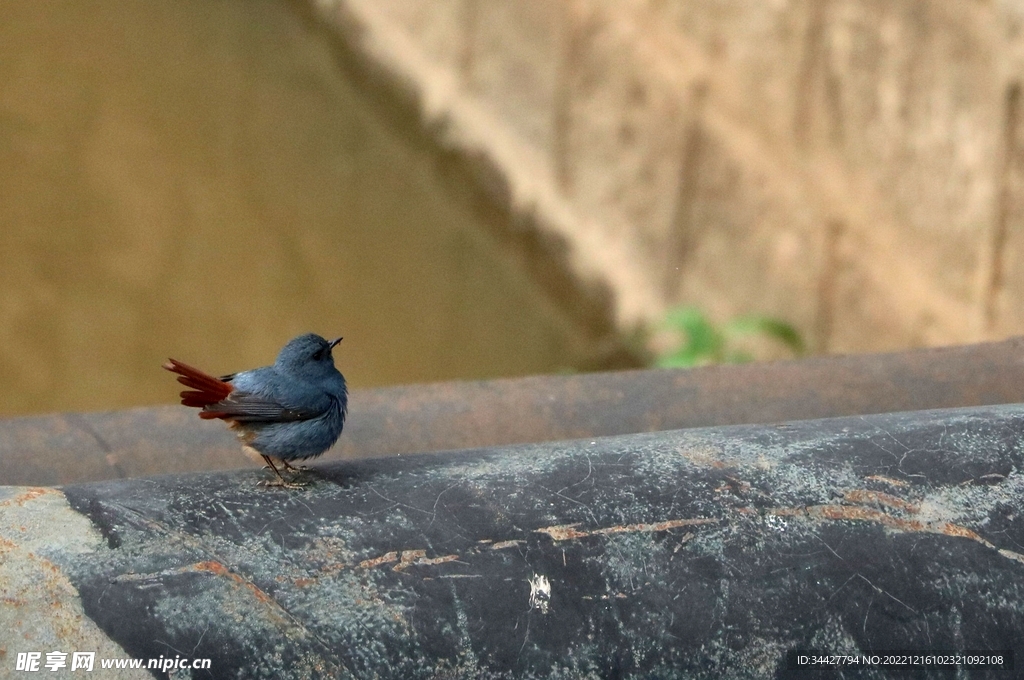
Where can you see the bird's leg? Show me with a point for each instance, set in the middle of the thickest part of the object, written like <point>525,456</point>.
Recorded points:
<point>280,481</point>
<point>292,468</point>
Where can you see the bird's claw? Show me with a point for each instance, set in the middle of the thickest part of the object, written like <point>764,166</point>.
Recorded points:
<point>281,484</point>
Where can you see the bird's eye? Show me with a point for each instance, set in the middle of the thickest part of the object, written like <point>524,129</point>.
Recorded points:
<point>318,355</point>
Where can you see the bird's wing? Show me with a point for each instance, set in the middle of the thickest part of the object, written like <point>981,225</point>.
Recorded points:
<point>243,407</point>
<point>267,402</point>
<point>222,398</point>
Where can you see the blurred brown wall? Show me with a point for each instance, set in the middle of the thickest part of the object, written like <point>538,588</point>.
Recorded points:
<point>853,166</point>
<point>199,179</point>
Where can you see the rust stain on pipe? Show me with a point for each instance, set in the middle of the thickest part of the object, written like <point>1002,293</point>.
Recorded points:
<point>219,569</point>
<point>886,480</point>
<point>27,495</point>
<point>567,532</point>
<point>865,496</point>
<point>859,513</point>
<point>377,561</point>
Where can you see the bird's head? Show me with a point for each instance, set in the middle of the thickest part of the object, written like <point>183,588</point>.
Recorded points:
<point>308,356</point>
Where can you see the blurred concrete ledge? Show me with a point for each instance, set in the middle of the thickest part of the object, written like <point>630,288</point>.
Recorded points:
<point>70,448</point>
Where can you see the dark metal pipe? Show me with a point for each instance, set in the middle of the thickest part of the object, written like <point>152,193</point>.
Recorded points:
<point>70,448</point>
<point>702,553</point>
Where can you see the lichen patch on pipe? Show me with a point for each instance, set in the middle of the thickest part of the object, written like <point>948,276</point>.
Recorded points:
<point>40,609</point>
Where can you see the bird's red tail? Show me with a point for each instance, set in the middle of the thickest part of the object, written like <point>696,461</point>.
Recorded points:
<point>206,389</point>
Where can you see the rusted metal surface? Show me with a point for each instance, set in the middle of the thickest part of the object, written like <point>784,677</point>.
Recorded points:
<point>67,448</point>
<point>701,553</point>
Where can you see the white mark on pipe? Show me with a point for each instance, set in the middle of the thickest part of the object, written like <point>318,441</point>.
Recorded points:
<point>540,593</point>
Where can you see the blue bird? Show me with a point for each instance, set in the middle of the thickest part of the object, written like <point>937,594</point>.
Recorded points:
<point>290,411</point>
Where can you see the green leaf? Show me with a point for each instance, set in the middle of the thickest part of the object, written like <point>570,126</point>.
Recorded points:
<point>769,327</point>
<point>676,361</point>
<point>703,341</point>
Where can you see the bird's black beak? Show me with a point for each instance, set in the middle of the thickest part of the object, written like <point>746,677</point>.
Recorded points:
<point>333,343</point>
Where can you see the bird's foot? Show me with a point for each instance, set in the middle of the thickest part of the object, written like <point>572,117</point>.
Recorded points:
<point>288,468</point>
<point>281,483</point>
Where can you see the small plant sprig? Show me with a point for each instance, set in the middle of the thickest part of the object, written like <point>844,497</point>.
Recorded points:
<point>704,343</point>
